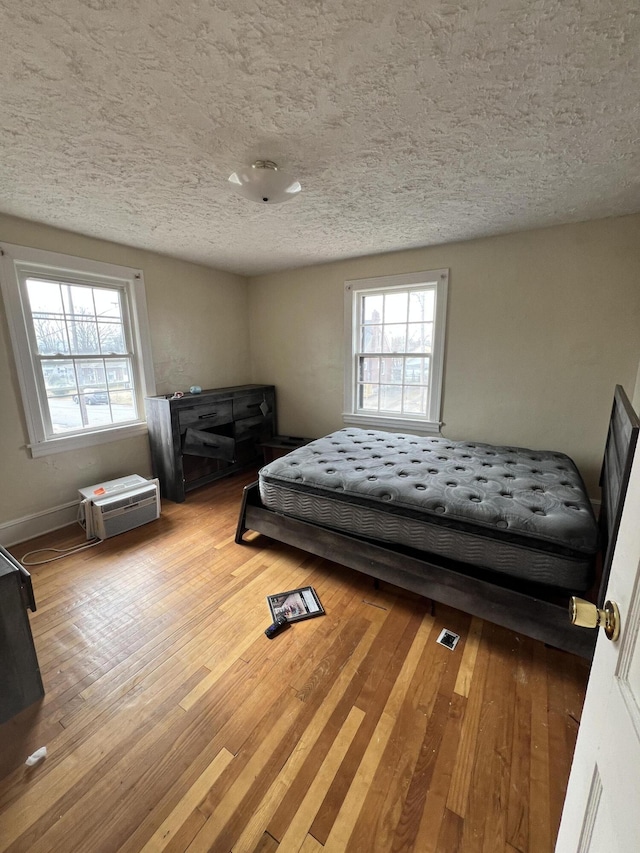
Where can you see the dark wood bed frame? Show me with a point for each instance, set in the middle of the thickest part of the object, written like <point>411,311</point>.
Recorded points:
<point>533,611</point>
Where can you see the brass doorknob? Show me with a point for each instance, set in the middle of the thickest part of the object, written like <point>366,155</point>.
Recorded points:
<point>587,615</point>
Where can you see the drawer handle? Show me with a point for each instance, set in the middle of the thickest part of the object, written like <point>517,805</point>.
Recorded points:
<point>204,417</point>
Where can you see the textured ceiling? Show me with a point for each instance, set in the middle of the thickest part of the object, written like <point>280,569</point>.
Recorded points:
<point>408,122</point>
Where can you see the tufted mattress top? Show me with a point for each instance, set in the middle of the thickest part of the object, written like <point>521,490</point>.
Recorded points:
<point>524,498</point>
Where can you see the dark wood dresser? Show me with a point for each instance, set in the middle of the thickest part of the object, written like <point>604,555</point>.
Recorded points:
<point>198,438</point>
<point>20,681</point>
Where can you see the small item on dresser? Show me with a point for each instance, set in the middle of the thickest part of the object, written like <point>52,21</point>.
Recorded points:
<point>281,622</point>
<point>195,389</point>
<point>176,395</point>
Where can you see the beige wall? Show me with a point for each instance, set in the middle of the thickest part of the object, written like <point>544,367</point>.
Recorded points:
<point>541,326</point>
<point>636,396</point>
<point>199,335</point>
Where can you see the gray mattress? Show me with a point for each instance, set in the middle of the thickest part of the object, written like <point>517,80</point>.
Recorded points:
<point>523,513</point>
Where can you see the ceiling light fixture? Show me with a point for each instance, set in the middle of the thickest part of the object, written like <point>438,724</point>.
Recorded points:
<point>265,183</point>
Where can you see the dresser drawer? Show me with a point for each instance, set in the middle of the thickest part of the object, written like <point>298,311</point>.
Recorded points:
<point>208,415</point>
<point>249,406</point>
<point>257,427</point>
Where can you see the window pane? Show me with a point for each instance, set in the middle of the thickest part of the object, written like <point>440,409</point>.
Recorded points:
<point>51,335</point>
<point>111,337</point>
<point>368,397</point>
<point>46,308</point>
<point>83,337</point>
<point>123,406</point>
<point>59,379</point>
<point>119,374</point>
<point>369,370</point>
<point>395,307</point>
<point>415,400</point>
<point>98,414</point>
<point>371,339</point>
<point>372,309</point>
<point>419,337</point>
<point>107,303</point>
<point>91,374</point>
<point>391,370</point>
<point>394,338</point>
<point>421,305</point>
<point>78,300</point>
<point>391,398</point>
<point>416,371</point>
<point>65,415</point>
<point>44,296</point>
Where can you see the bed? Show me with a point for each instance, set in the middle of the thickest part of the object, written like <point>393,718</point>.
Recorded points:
<point>503,533</point>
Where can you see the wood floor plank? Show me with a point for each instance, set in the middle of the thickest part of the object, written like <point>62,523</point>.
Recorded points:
<point>450,835</point>
<point>386,819</point>
<point>267,844</point>
<point>465,673</point>
<point>565,706</point>
<point>298,828</point>
<point>501,688</point>
<point>188,804</point>
<point>520,769</point>
<point>311,845</point>
<point>432,777</point>
<point>483,813</point>
<point>458,798</point>
<point>185,834</point>
<point>347,816</point>
<point>540,832</point>
<point>380,671</point>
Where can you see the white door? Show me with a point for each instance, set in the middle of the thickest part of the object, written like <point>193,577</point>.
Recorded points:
<point>602,808</point>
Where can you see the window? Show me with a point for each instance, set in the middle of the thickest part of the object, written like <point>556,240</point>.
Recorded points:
<point>395,329</point>
<point>80,336</point>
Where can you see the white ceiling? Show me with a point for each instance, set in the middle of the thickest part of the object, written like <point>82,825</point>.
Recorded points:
<point>408,122</point>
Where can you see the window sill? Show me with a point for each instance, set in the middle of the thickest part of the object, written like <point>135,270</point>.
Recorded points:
<point>391,424</point>
<point>68,443</point>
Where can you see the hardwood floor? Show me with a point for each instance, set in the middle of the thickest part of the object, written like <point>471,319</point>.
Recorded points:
<point>172,723</point>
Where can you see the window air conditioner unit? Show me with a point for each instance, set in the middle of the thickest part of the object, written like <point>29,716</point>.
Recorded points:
<point>116,506</point>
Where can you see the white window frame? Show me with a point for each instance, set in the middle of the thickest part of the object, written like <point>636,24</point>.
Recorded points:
<point>431,422</point>
<point>15,262</point>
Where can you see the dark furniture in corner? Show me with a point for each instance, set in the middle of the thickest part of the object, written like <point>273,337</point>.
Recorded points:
<point>20,681</point>
<point>280,445</point>
<point>198,438</point>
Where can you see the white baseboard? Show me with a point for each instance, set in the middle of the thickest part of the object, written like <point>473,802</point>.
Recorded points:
<point>21,529</point>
